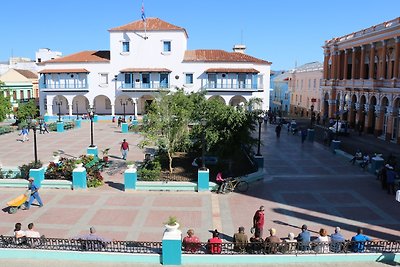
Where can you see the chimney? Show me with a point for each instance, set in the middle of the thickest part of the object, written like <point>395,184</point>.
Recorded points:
<point>239,48</point>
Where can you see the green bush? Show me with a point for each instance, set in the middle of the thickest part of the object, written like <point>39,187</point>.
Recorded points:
<point>6,129</point>
<point>24,169</point>
<point>150,170</point>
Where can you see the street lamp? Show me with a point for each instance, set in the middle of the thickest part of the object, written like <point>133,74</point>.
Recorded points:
<point>59,103</point>
<point>125,103</point>
<point>33,127</point>
<point>91,115</point>
<point>77,110</point>
<point>260,121</point>
<point>203,148</point>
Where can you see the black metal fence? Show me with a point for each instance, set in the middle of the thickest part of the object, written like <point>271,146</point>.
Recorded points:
<point>294,248</point>
<point>80,245</point>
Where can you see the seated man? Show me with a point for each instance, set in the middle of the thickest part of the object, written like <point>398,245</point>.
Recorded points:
<point>256,243</point>
<point>304,238</point>
<point>357,156</point>
<point>191,243</point>
<point>215,243</point>
<point>272,242</point>
<point>240,240</point>
<point>337,240</point>
<point>359,241</point>
<point>94,241</point>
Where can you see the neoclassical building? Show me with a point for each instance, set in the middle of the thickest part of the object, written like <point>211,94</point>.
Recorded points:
<point>361,82</point>
<point>144,59</point>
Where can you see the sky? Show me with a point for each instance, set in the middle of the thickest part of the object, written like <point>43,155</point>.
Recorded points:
<point>283,32</point>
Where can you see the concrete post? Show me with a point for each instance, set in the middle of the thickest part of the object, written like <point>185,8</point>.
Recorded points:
<point>203,179</point>
<point>376,164</point>
<point>259,161</point>
<point>92,151</point>
<point>95,118</point>
<point>79,178</point>
<point>130,179</point>
<point>38,175</point>
<point>124,127</point>
<point>172,248</point>
<point>60,127</point>
<point>335,145</point>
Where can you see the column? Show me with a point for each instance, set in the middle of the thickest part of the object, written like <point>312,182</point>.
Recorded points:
<point>383,60</point>
<point>357,110</point>
<point>372,61</point>
<point>70,109</point>
<point>396,58</point>
<point>332,105</point>
<point>326,64</point>
<point>130,179</point>
<point>203,179</point>
<point>135,102</point>
<point>345,64</point>
<point>362,67</point>
<point>79,180</point>
<point>353,64</point>
<point>367,123</point>
<point>338,62</point>
<point>333,66</point>
<point>378,119</point>
<point>389,128</point>
<point>112,110</point>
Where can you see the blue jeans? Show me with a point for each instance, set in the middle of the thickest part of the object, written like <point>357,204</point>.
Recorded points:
<point>34,196</point>
<point>124,153</point>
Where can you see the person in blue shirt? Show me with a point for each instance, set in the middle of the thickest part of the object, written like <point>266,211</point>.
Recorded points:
<point>304,238</point>
<point>34,194</point>
<point>359,241</point>
<point>337,240</point>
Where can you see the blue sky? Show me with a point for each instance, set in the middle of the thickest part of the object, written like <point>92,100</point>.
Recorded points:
<point>283,32</point>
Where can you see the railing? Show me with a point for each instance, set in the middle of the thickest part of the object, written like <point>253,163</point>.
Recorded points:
<point>150,85</point>
<point>80,245</point>
<point>63,86</point>
<point>230,86</point>
<point>294,248</point>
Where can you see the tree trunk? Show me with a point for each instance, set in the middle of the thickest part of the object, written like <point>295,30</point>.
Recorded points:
<point>170,161</point>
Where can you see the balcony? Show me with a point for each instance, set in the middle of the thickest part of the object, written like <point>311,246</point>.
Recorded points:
<point>239,87</point>
<point>64,87</point>
<point>148,87</point>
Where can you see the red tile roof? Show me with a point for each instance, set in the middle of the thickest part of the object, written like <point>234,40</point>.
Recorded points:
<point>83,56</point>
<point>145,70</point>
<point>27,74</point>
<point>203,55</point>
<point>226,70</point>
<point>64,71</point>
<point>152,24</point>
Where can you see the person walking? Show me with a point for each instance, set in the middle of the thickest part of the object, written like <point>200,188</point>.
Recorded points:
<point>24,133</point>
<point>34,188</point>
<point>278,129</point>
<point>124,149</point>
<point>303,135</point>
<point>258,221</point>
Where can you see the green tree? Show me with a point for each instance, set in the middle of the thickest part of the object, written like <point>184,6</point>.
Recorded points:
<point>26,110</point>
<point>5,104</point>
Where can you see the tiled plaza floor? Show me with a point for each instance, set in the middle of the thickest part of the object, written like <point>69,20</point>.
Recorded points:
<point>304,183</point>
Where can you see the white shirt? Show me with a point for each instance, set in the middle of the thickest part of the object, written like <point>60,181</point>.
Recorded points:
<point>19,233</point>
<point>30,233</point>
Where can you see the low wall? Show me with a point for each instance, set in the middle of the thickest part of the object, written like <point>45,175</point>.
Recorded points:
<point>22,183</point>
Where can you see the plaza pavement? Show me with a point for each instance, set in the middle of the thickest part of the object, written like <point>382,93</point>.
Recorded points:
<point>304,184</point>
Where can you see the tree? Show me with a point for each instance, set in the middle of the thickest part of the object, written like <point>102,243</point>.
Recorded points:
<point>5,104</point>
<point>26,110</point>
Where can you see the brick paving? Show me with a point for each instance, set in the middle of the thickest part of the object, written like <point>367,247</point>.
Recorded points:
<point>304,183</point>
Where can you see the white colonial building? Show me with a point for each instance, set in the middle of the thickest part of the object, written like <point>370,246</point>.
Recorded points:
<point>142,61</point>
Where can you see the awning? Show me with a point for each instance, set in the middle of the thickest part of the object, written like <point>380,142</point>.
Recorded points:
<point>65,71</point>
<point>226,70</point>
<point>145,70</point>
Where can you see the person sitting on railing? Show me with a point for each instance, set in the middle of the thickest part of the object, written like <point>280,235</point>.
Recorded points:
<point>256,243</point>
<point>337,240</point>
<point>322,242</point>
<point>191,243</point>
<point>365,162</point>
<point>272,242</point>
<point>290,243</point>
<point>304,238</point>
<point>20,237</point>
<point>359,240</point>
<point>240,240</point>
<point>221,183</point>
<point>357,156</point>
<point>34,236</point>
<point>95,241</point>
<point>215,243</point>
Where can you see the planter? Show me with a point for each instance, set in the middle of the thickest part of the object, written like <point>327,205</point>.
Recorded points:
<point>172,228</point>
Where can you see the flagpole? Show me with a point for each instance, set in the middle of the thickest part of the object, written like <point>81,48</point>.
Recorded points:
<point>144,21</point>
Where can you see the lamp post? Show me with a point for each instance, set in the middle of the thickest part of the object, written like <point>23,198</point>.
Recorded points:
<point>125,103</point>
<point>203,147</point>
<point>260,121</point>
<point>91,115</point>
<point>77,110</point>
<point>33,127</point>
<point>59,103</point>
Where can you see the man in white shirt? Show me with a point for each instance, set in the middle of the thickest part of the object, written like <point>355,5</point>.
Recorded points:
<point>31,233</point>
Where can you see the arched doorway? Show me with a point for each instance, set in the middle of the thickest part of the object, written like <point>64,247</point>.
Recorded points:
<point>237,100</point>
<point>60,105</point>
<point>124,106</point>
<point>144,103</point>
<point>396,120</point>
<point>353,111</point>
<point>384,117</point>
<point>371,115</point>
<point>102,105</point>
<point>80,105</point>
<point>217,98</point>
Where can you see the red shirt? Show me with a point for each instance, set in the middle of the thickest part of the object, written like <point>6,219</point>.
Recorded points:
<point>215,246</point>
<point>259,218</point>
<point>124,145</point>
<point>191,244</point>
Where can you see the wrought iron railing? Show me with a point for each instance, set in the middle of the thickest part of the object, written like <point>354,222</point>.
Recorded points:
<point>294,248</point>
<point>80,245</point>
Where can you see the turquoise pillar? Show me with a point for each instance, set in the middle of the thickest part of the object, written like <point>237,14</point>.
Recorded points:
<point>78,123</point>
<point>376,164</point>
<point>38,175</point>
<point>124,127</point>
<point>310,135</point>
<point>95,118</point>
<point>46,118</point>
<point>135,122</point>
<point>92,151</point>
<point>79,178</point>
<point>60,127</point>
<point>335,145</point>
<point>172,248</point>
<point>259,160</point>
<point>203,179</point>
<point>130,179</point>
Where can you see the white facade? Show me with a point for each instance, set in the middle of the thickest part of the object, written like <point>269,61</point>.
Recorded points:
<point>145,62</point>
<point>44,54</point>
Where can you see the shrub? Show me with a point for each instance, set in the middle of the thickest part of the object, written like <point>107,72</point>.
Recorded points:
<point>24,169</point>
<point>150,170</point>
<point>6,129</point>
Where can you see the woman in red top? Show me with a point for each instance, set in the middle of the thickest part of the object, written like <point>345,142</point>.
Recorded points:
<point>258,221</point>
<point>215,243</point>
<point>221,182</point>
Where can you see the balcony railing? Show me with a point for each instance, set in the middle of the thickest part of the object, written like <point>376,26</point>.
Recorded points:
<point>150,85</point>
<point>64,86</point>
<point>211,86</point>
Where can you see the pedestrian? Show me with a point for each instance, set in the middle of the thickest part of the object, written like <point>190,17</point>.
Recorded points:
<point>124,149</point>
<point>34,194</point>
<point>258,221</point>
<point>24,133</point>
<point>113,119</point>
<point>221,183</point>
<point>303,135</point>
<point>278,129</point>
<point>119,121</point>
